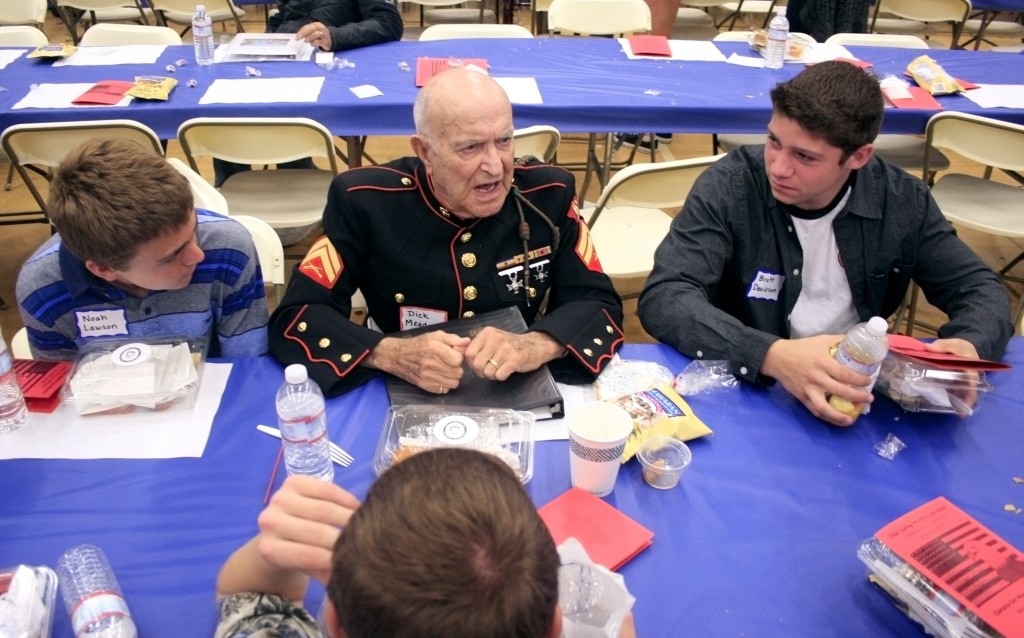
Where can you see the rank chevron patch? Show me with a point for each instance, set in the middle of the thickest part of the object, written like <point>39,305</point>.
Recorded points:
<point>585,245</point>
<point>323,263</point>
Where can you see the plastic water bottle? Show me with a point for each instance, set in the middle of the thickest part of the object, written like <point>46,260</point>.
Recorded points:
<point>92,596</point>
<point>202,36</point>
<point>13,413</point>
<point>778,34</point>
<point>862,350</point>
<point>303,423</point>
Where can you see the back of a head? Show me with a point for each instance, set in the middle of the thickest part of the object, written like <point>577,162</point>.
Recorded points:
<point>109,196</point>
<point>835,101</point>
<point>447,543</point>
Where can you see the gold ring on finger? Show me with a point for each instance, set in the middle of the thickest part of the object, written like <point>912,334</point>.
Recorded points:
<point>493,363</point>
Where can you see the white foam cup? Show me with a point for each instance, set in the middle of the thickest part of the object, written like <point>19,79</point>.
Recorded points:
<point>597,437</point>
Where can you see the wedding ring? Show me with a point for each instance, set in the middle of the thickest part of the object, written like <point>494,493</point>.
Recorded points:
<point>440,389</point>
<point>493,363</point>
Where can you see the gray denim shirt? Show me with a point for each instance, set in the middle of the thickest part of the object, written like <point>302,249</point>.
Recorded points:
<point>727,275</point>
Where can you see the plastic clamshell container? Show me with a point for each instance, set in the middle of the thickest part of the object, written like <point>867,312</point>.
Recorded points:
<point>797,44</point>
<point>408,429</point>
<point>934,609</point>
<point>120,375</point>
<point>37,615</point>
<point>918,387</point>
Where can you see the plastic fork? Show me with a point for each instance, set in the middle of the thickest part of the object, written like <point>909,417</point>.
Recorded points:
<point>338,455</point>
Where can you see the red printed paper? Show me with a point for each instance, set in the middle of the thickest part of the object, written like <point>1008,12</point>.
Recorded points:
<point>981,571</point>
<point>107,92</point>
<point>41,382</point>
<point>649,45</point>
<point>610,537</point>
<point>911,347</point>
<point>427,68</point>
<point>919,98</point>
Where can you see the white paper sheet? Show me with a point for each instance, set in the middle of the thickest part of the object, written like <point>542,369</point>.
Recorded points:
<point>743,60</point>
<point>989,96</point>
<point>142,434</point>
<point>105,56</point>
<point>691,50</point>
<point>365,90</point>
<point>223,54</point>
<point>59,96</point>
<point>263,91</point>
<point>10,55</point>
<point>521,90</point>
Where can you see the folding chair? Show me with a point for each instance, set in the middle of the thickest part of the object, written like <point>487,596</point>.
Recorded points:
<point>539,141</point>
<point>73,11</point>
<point>629,222</point>
<point>181,11</point>
<point>484,30</point>
<point>921,17</point>
<point>107,34</point>
<point>23,12</point>
<point>268,249</point>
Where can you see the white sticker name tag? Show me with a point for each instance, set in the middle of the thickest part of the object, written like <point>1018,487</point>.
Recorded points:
<point>415,317</point>
<point>101,323</point>
<point>766,285</point>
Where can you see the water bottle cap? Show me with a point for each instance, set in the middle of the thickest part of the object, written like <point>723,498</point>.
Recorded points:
<point>780,11</point>
<point>877,326</point>
<point>296,373</point>
<point>200,8</point>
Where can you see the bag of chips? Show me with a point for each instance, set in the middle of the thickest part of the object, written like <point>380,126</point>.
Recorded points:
<point>932,77</point>
<point>659,411</point>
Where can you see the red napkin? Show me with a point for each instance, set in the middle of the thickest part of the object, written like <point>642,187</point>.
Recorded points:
<point>911,347</point>
<point>427,68</point>
<point>919,99</point>
<point>649,45</point>
<point>610,537</point>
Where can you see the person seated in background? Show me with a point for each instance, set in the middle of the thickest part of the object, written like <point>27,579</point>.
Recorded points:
<point>330,25</point>
<point>782,248</point>
<point>133,257</point>
<point>459,229</point>
<point>447,543</point>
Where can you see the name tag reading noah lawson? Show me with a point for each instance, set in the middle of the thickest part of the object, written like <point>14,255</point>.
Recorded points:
<point>766,285</point>
<point>101,323</point>
<point>416,317</point>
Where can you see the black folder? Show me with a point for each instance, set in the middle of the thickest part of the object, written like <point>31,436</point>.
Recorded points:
<point>534,391</point>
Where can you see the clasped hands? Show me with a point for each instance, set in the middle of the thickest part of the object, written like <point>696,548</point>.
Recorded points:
<point>434,361</point>
<point>807,370</point>
<point>316,34</point>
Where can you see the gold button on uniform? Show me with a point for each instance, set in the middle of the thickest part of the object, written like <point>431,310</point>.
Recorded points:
<point>345,358</point>
<point>588,352</point>
<point>533,292</point>
<point>399,297</point>
<point>302,326</point>
<point>323,343</point>
<point>469,260</point>
<point>444,211</point>
<point>406,181</point>
<point>469,293</point>
<point>466,237</point>
<point>468,314</point>
<point>598,342</point>
<point>609,329</point>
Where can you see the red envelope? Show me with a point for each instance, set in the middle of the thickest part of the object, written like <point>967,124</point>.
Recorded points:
<point>427,68</point>
<point>106,92</point>
<point>911,347</point>
<point>649,45</point>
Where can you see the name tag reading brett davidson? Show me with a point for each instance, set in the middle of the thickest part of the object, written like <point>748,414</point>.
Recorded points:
<point>101,323</point>
<point>766,285</point>
<point>416,317</point>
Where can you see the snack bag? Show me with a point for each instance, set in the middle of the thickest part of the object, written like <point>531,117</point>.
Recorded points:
<point>152,87</point>
<point>659,411</point>
<point>932,77</point>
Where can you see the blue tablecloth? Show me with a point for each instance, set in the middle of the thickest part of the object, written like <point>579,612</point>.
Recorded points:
<point>587,85</point>
<point>759,539</point>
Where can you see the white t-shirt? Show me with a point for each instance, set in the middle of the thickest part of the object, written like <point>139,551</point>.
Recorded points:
<point>825,304</point>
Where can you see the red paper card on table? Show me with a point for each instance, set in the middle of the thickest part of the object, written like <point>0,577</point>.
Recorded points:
<point>914,348</point>
<point>919,98</point>
<point>41,382</point>
<point>107,92</point>
<point>610,537</point>
<point>981,571</point>
<point>649,45</point>
<point>427,68</point>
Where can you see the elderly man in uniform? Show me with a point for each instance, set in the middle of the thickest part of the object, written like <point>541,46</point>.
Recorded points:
<point>457,230</point>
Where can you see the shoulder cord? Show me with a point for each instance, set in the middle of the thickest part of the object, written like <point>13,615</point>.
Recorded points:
<point>524,236</point>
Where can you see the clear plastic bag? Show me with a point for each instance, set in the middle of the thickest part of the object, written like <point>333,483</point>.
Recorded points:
<point>704,376</point>
<point>626,376</point>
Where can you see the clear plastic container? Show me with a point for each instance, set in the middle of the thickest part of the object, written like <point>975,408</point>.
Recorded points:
<point>408,429</point>
<point>778,40</point>
<point>862,350</point>
<point>202,36</point>
<point>918,387</point>
<point>121,375</point>
<point>92,595</point>
<point>28,596</point>
<point>302,419</point>
<point>940,614</point>
<point>13,412</point>
<point>664,460</point>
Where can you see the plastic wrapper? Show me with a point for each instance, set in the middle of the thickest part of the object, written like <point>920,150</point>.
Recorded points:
<point>704,376</point>
<point>919,387</point>
<point>410,429</point>
<point>27,598</point>
<point>797,44</point>
<point>594,600</point>
<point>932,77</point>
<point>659,411</point>
<point>889,447</point>
<point>120,375</point>
<point>918,597</point>
<point>625,376</point>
